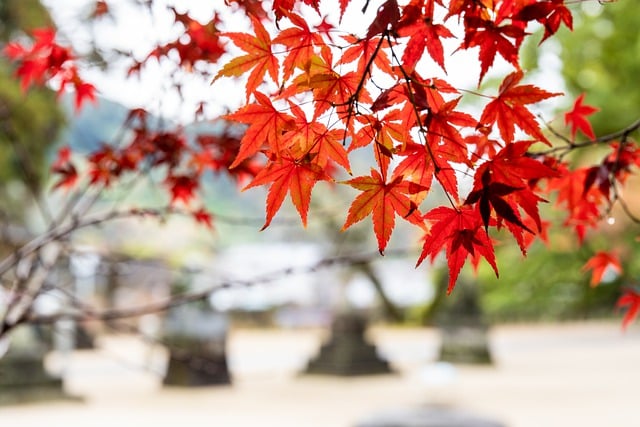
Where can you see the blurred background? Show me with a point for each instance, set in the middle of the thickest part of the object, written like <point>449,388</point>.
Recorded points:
<point>293,327</point>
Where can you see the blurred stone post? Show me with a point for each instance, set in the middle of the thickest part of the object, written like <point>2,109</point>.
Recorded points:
<point>464,331</point>
<point>347,353</point>
<point>23,377</point>
<point>196,338</point>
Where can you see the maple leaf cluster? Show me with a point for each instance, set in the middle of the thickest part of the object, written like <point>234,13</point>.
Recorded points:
<point>45,60</point>
<point>178,163</point>
<point>198,43</point>
<point>413,123</point>
<point>315,93</point>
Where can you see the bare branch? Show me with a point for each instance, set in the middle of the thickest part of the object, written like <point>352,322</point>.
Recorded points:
<point>88,313</point>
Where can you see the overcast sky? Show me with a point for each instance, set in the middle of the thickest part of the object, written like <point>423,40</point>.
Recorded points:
<point>132,30</point>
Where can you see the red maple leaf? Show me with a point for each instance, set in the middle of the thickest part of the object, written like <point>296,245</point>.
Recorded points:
<point>492,195</point>
<point>416,166</point>
<point>580,202</point>
<point>631,300</point>
<point>251,7</point>
<point>46,60</point>
<point>599,264</point>
<point>105,165</point>
<point>387,17</point>
<point>343,7</point>
<point>559,14</point>
<point>382,200</point>
<point>182,188</point>
<point>201,43</point>
<point>65,169</point>
<point>461,234</point>
<point>423,34</point>
<point>507,183</point>
<point>443,130</point>
<point>577,118</point>
<point>203,217</point>
<point>492,38</point>
<point>508,109</point>
<point>420,165</point>
<point>513,166</point>
<point>100,9</point>
<point>283,8</point>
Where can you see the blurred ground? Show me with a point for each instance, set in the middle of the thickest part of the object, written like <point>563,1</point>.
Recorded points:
<point>562,375</point>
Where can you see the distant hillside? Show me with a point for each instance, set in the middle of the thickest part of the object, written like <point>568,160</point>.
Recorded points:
<point>101,123</point>
<point>94,125</point>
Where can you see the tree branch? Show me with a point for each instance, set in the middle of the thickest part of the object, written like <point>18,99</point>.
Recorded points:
<point>89,313</point>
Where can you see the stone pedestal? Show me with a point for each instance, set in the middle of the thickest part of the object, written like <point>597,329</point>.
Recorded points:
<point>463,330</point>
<point>465,344</point>
<point>196,340</point>
<point>347,353</point>
<point>23,377</point>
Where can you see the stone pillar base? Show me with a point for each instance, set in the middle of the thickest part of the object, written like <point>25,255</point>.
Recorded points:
<point>347,353</point>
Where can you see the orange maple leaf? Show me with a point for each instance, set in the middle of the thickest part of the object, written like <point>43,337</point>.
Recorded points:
<point>288,175</point>
<point>363,50</point>
<point>382,133</point>
<point>301,43</point>
<point>383,200</point>
<point>259,58</point>
<point>329,88</point>
<point>266,126</point>
<point>316,140</point>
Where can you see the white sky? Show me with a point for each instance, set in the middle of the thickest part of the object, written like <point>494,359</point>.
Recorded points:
<point>138,32</point>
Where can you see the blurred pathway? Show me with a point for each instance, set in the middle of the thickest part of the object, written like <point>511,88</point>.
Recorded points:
<point>584,375</point>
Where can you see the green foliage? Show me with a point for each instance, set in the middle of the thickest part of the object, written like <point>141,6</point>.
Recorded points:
<point>550,284</point>
<point>22,15</point>
<point>29,125</point>
<point>601,58</point>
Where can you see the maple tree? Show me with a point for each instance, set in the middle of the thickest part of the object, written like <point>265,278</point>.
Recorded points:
<point>317,91</point>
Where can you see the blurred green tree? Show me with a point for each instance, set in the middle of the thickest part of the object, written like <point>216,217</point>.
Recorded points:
<point>602,58</point>
<point>29,125</point>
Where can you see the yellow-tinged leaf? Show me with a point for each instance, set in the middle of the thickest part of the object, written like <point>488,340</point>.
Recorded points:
<point>259,58</point>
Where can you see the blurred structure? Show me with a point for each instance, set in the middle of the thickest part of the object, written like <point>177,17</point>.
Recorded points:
<point>347,353</point>
<point>196,338</point>
<point>23,377</point>
<point>463,328</point>
<point>427,417</point>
